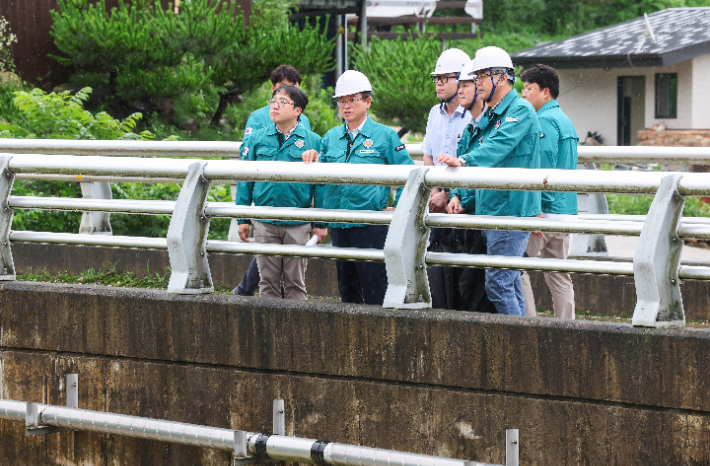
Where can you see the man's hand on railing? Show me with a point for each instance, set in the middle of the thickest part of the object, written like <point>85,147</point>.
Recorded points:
<point>244,232</point>
<point>450,160</point>
<point>386,209</point>
<point>311,155</point>
<point>321,233</point>
<point>438,200</point>
<point>454,206</point>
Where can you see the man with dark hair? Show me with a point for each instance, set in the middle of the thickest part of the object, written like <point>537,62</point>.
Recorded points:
<point>284,140</point>
<point>282,75</point>
<point>360,140</point>
<point>558,149</point>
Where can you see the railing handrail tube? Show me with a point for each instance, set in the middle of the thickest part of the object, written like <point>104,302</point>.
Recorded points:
<point>386,175</point>
<point>278,447</point>
<point>587,154</point>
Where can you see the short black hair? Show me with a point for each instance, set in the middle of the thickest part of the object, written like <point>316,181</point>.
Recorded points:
<point>287,73</point>
<point>545,77</point>
<point>300,99</point>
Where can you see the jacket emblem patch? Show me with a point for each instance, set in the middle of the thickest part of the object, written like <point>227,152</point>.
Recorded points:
<point>299,143</point>
<point>245,151</point>
<point>247,131</point>
<point>498,124</point>
<point>368,143</point>
<point>399,148</point>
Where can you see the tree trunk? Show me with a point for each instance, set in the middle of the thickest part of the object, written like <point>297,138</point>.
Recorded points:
<point>402,131</point>
<point>225,98</point>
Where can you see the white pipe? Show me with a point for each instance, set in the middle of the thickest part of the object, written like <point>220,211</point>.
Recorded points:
<point>351,254</point>
<point>598,154</point>
<point>275,447</point>
<point>89,240</point>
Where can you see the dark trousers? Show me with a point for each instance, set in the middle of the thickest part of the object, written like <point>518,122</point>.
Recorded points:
<point>458,288</point>
<point>361,282</point>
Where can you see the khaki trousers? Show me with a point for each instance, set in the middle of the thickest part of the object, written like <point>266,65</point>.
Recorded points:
<point>556,246</point>
<point>274,269</point>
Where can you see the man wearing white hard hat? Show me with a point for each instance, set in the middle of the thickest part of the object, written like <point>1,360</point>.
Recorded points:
<point>359,140</point>
<point>451,287</point>
<point>508,135</point>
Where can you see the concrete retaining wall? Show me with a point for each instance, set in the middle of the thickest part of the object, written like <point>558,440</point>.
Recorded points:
<point>436,382</point>
<point>597,294</point>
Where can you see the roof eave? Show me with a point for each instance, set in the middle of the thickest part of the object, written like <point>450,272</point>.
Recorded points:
<point>603,62</point>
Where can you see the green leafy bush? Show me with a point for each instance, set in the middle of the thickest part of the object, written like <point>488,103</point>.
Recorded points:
<point>629,204</point>
<point>62,116</point>
<point>399,72</point>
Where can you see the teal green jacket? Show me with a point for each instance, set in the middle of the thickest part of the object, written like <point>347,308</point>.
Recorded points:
<point>375,144</point>
<point>264,145</point>
<point>558,149</point>
<point>506,136</point>
<point>261,119</point>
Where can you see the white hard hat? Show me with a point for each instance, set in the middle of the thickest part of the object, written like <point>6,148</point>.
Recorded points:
<point>468,71</point>
<point>451,61</point>
<point>352,82</point>
<point>492,57</point>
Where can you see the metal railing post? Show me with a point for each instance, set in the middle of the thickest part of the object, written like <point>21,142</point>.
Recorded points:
<point>405,247</point>
<point>591,203</point>
<point>96,223</point>
<point>279,417</point>
<point>657,260</point>
<point>7,178</point>
<point>187,236</point>
<point>233,234</point>
<point>512,447</point>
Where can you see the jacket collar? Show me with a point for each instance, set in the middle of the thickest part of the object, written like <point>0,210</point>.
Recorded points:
<point>298,132</point>
<point>366,128</point>
<point>504,103</point>
<point>548,106</point>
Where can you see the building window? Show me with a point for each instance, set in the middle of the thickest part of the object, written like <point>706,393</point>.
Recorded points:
<point>667,95</point>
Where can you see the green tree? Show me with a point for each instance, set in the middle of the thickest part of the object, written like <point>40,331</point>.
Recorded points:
<point>399,73</point>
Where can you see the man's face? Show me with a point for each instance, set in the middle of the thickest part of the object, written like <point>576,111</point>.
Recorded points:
<point>536,96</point>
<point>446,85</point>
<point>353,108</point>
<point>282,109</point>
<point>467,93</point>
<point>485,85</point>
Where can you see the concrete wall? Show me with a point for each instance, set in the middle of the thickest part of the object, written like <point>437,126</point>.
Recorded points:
<point>436,382</point>
<point>589,97</point>
<point>596,294</point>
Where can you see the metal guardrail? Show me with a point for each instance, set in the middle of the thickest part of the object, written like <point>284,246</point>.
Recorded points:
<point>247,447</point>
<point>656,266</point>
<point>587,154</point>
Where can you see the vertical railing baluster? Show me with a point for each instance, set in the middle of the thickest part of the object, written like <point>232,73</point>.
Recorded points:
<point>657,260</point>
<point>7,179</point>
<point>405,248</point>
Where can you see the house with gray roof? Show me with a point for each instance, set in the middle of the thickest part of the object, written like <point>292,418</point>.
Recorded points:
<point>622,80</point>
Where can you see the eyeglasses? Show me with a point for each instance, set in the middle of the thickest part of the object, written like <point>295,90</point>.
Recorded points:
<point>279,103</point>
<point>526,90</point>
<point>442,79</point>
<point>481,77</point>
<point>348,101</point>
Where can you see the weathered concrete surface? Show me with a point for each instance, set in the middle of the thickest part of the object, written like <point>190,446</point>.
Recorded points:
<point>437,382</point>
<point>598,294</point>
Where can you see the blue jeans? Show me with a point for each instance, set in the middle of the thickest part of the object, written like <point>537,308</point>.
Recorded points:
<point>504,287</point>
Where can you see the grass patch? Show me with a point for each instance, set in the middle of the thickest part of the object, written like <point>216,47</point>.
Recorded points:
<point>111,277</point>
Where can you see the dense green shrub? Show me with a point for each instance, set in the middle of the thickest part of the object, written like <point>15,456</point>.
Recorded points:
<point>399,72</point>
<point>62,116</point>
<point>628,204</point>
<point>145,54</point>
